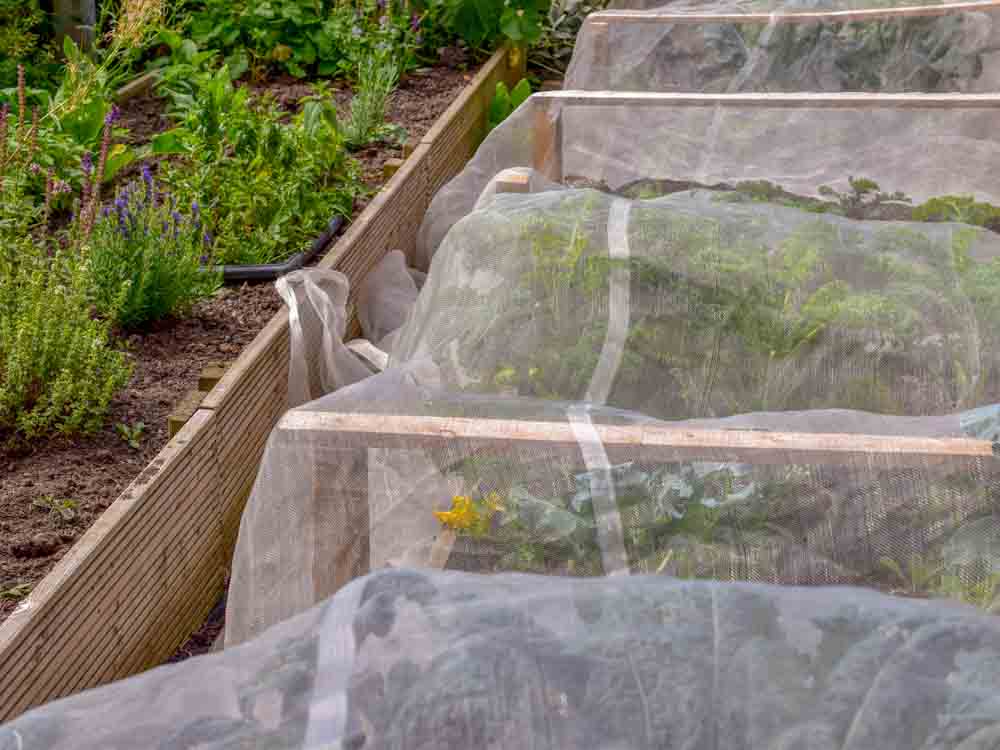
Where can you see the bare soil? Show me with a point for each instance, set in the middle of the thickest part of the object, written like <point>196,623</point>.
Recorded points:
<point>84,475</point>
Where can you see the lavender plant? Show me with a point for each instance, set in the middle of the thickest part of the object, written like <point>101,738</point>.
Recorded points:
<point>146,255</point>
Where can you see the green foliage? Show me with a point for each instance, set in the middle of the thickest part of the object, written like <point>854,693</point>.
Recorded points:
<point>267,187</point>
<point>58,369</point>
<point>131,434</point>
<point>16,593</point>
<point>962,208</point>
<point>303,37</point>
<point>482,23</point>
<point>63,510</point>
<point>187,67</point>
<point>145,257</point>
<point>25,34</point>
<point>560,26</point>
<point>376,80</point>
<point>506,101</point>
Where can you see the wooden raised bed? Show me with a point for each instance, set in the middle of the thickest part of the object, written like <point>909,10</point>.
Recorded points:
<point>548,107</point>
<point>148,572</point>
<point>659,444</point>
<point>600,25</point>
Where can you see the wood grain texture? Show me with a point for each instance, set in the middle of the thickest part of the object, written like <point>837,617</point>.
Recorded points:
<point>791,16</point>
<point>659,443</point>
<point>548,99</point>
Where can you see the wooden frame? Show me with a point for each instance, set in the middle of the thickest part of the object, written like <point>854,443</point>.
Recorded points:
<point>548,135</point>
<point>599,25</point>
<point>147,573</point>
<point>339,433</point>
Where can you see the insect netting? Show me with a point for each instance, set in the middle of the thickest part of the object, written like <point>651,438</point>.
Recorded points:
<point>708,48</point>
<point>422,659</point>
<point>596,384</point>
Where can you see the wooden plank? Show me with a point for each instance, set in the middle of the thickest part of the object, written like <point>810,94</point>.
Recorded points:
<point>547,140</point>
<point>790,16</point>
<point>546,99</point>
<point>653,442</point>
<point>514,183</point>
<point>108,630</point>
<point>137,87</point>
<point>95,589</point>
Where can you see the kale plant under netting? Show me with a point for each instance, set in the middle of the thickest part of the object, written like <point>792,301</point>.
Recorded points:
<point>414,659</point>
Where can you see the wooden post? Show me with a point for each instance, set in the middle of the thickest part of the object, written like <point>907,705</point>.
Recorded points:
<point>183,412</point>
<point>390,168</point>
<point>515,183</point>
<point>547,135</point>
<point>211,375</point>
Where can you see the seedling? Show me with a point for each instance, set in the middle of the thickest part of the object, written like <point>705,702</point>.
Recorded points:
<point>132,435</point>
<point>64,509</point>
<point>15,593</point>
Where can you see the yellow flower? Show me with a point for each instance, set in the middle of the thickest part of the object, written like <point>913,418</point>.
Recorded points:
<point>462,516</point>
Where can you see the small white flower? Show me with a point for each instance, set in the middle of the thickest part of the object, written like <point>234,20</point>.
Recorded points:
<point>520,12</point>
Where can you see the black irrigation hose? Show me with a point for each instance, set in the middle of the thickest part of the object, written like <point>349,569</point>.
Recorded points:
<point>271,271</point>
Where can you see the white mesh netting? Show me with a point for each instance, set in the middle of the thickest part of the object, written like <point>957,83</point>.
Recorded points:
<point>658,334</point>
<point>706,47</point>
<point>454,660</point>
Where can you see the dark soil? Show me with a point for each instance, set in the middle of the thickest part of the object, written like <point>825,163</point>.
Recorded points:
<point>83,475</point>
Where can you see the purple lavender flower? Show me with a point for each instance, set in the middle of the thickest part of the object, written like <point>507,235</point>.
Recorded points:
<point>414,22</point>
<point>175,215</point>
<point>61,186</point>
<point>383,21</point>
<point>418,39</point>
<point>105,212</point>
<point>165,227</point>
<point>381,4</point>
<point>207,239</point>
<point>87,163</point>
<point>195,208</point>
<point>147,178</point>
<point>34,168</point>
<point>113,115</point>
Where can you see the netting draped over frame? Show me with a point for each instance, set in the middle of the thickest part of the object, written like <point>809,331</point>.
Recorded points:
<point>705,47</point>
<point>711,309</point>
<point>642,144</point>
<point>406,659</point>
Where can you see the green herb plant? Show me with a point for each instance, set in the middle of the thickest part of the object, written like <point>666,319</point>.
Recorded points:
<point>365,124</point>
<point>266,185</point>
<point>146,256</point>
<point>303,37</point>
<point>131,434</point>
<point>505,101</point>
<point>63,510</point>
<point>15,593</point>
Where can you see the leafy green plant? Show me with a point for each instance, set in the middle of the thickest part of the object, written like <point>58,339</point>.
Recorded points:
<point>505,101</point>
<point>187,67</point>
<point>63,509</point>
<point>16,593</point>
<point>963,208</point>
<point>131,434</point>
<point>864,195</point>
<point>321,37</point>
<point>483,23</point>
<point>25,39</point>
<point>58,368</point>
<point>919,576</point>
<point>560,25</point>
<point>146,256</point>
<point>377,79</point>
<point>267,187</point>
